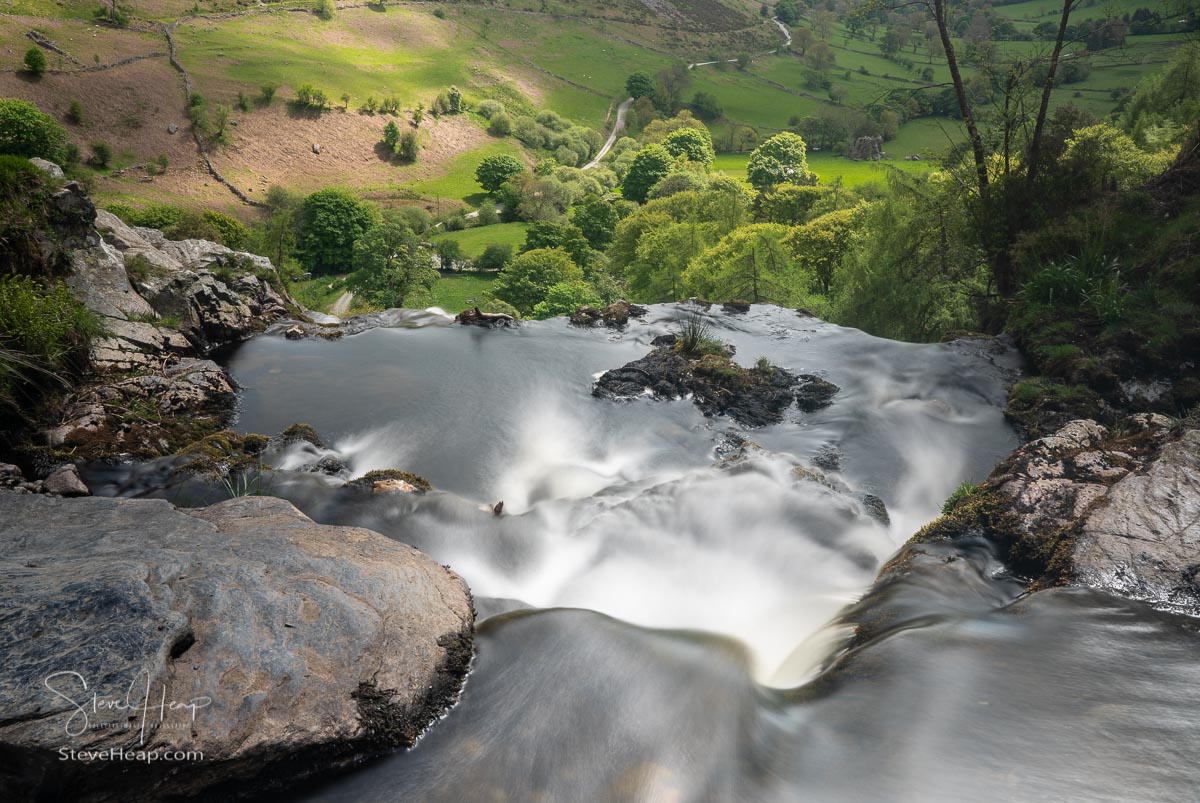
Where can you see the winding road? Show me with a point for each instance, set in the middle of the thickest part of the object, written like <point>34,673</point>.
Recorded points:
<point>787,42</point>
<point>617,127</point>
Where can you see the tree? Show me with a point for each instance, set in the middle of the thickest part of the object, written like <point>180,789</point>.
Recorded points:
<point>494,256</point>
<point>818,245</point>
<point>568,237</point>
<point>101,154</point>
<point>566,297</point>
<point>495,170</point>
<point>787,12</point>
<point>650,165</point>
<point>663,253</point>
<point>669,86</point>
<point>391,135</point>
<point>639,85</point>
<point>526,280</point>
<point>390,265</point>
<point>25,131</point>
<point>35,61</point>
<point>750,263</point>
<point>695,144</point>
<point>331,222</point>
<point>596,219</point>
<point>743,61</point>
<point>706,106</point>
<point>802,39</point>
<point>408,147</point>
<point>449,254</point>
<point>781,159</point>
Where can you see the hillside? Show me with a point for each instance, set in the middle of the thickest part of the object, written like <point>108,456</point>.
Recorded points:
<point>567,57</point>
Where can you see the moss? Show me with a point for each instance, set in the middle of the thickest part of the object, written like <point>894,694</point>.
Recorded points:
<point>369,479</point>
<point>721,371</point>
<point>255,444</point>
<point>221,453</point>
<point>301,432</point>
<point>1040,406</point>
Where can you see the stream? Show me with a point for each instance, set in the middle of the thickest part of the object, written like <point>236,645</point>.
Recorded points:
<point>659,606</point>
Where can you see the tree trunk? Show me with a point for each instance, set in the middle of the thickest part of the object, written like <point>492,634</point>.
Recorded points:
<point>960,91</point>
<point>1035,144</point>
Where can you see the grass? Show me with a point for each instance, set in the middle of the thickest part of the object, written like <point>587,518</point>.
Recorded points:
<point>474,240</point>
<point>316,294</point>
<point>458,182</point>
<point>831,167</point>
<point>455,292</point>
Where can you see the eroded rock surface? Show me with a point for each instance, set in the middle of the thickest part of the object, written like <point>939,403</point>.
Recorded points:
<point>287,647</point>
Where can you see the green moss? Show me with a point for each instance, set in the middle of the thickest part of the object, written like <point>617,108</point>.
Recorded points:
<point>301,432</point>
<point>222,453</point>
<point>721,371</point>
<point>961,494</point>
<point>369,479</point>
<point>1040,406</point>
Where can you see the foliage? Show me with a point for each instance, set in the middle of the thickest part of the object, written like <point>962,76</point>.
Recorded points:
<point>960,495</point>
<point>310,97</point>
<point>331,221</point>
<point>596,219</point>
<point>35,61</point>
<point>750,263</point>
<point>693,337</point>
<point>780,159</point>
<point>391,135</point>
<point>1101,157</point>
<point>494,257</point>
<point>526,280</point>
<point>408,147</point>
<point>390,266</point>
<point>44,331</point>
<point>564,298</point>
<point>25,131</point>
<point>101,154</point>
<point>818,245</point>
<point>694,144</point>
<point>639,84</point>
<point>651,164</point>
<point>497,169</point>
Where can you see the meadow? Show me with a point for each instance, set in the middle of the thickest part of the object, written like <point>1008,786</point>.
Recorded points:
<point>474,240</point>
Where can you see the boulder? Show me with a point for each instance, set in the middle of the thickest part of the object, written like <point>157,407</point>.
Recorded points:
<point>814,393</point>
<point>97,275</point>
<point>10,475</point>
<point>275,647</point>
<point>134,346</point>
<point>736,306</point>
<point>210,314</point>
<point>867,149</point>
<point>1145,541</point>
<point>50,168</point>
<point>65,481</point>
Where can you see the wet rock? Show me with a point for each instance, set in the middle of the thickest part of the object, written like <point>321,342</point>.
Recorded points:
<point>1144,542</point>
<point>814,393</point>
<point>753,397</point>
<point>616,315</point>
<point>329,465</point>
<point>475,317</point>
<point>664,340</point>
<point>294,333</point>
<point>298,433</point>
<point>828,457</point>
<point>875,508</point>
<point>65,481</point>
<point>736,306</point>
<point>226,612</point>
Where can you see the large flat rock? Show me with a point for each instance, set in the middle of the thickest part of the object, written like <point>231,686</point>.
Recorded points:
<point>274,646</point>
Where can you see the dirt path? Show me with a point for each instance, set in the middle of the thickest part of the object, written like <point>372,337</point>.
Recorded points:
<point>618,126</point>
<point>787,42</point>
<point>342,305</point>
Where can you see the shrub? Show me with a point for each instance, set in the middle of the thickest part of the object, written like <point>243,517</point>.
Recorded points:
<point>961,493</point>
<point>266,94</point>
<point>308,96</point>
<point>408,146</point>
<point>494,257</point>
<point>324,9</point>
<point>494,171</point>
<point>75,113</point>
<point>101,154</point>
<point>564,298</point>
<point>500,125</point>
<point>25,131</point>
<point>487,109</point>
<point>35,61</point>
<point>694,338</point>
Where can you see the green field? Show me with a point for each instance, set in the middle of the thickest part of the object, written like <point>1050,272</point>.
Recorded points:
<point>458,182</point>
<point>829,167</point>
<point>456,292</point>
<point>474,240</point>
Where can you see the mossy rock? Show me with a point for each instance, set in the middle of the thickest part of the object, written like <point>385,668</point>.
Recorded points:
<point>721,371</point>
<point>301,432</point>
<point>222,453</point>
<point>367,481</point>
<point>1041,407</point>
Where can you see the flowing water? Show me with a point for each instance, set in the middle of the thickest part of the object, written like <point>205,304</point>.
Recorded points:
<point>659,609</point>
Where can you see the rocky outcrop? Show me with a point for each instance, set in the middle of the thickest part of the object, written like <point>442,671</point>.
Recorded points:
<point>1117,510</point>
<point>753,397</point>
<point>273,646</point>
<point>867,149</point>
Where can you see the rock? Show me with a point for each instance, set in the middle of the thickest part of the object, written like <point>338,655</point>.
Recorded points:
<point>98,277</point>
<point>134,346</point>
<point>753,397</point>
<point>50,168</point>
<point>814,393</point>
<point>585,316</point>
<point>280,647</point>
<point>209,312</point>
<point>736,307</point>
<point>65,481</point>
<point>664,340</point>
<point>329,465</point>
<point>316,149</point>
<point>132,244</point>
<point>616,315</point>
<point>172,129</point>
<point>389,480</point>
<point>867,148</point>
<point>474,317</point>
<point>298,433</point>
<point>294,333</point>
<point>393,486</point>
<point>10,475</point>
<point>1144,542</point>
<point>875,508</point>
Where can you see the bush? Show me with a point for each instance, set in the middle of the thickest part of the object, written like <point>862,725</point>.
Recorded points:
<point>408,147</point>
<point>961,493</point>
<point>44,331</point>
<point>500,125</point>
<point>324,9</point>
<point>75,113</point>
<point>526,280</point>
<point>35,61</point>
<point>101,154</point>
<point>25,131</point>
<point>331,221</point>
<point>266,94</point>
<point>494,257</point>
<point>487,109</point>
<point>309,97</point>
<point>564,298</point>
<point>494,171</point>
